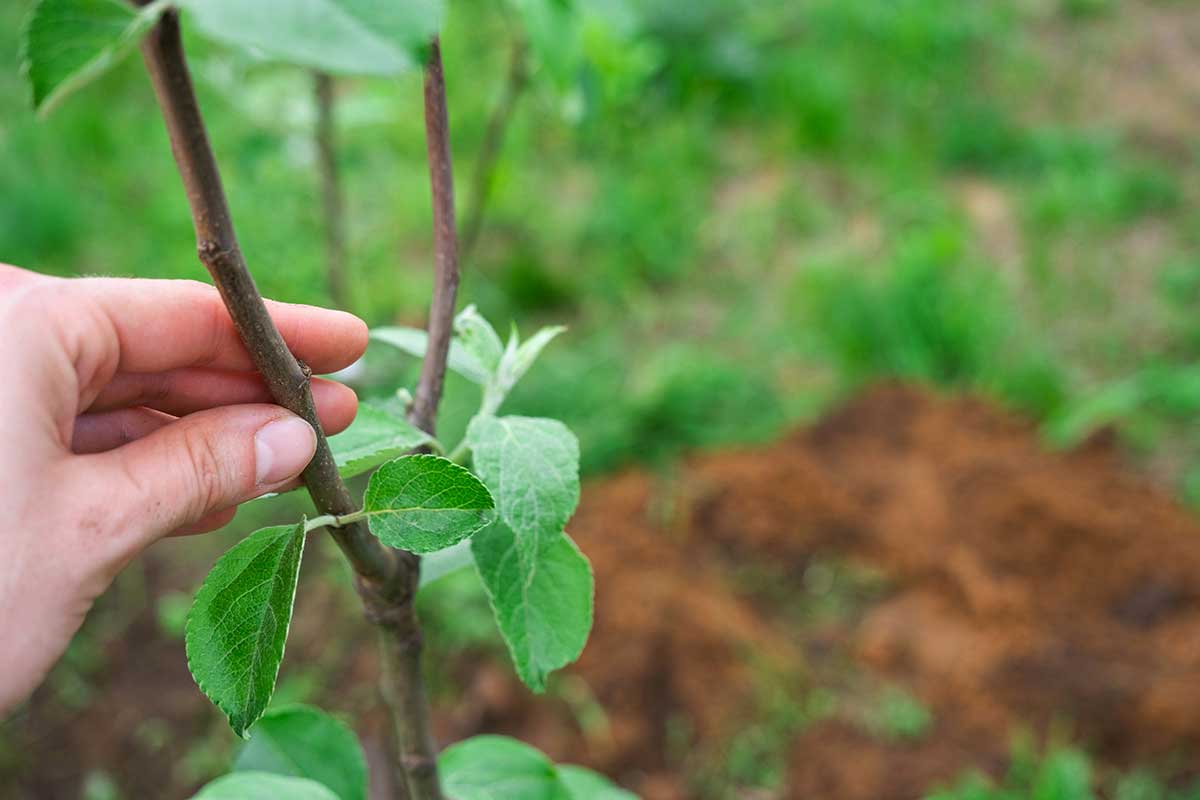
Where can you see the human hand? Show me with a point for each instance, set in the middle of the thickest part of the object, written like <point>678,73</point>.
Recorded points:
<point>130,411</point>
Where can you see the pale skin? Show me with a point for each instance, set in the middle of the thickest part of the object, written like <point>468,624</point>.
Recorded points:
<point>131,412</point>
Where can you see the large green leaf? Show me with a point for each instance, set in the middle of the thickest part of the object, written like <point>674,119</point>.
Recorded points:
<point>263,786</point>
<point>357,37</point>
<point>543,605</point>
<point>532,468</point>
<point>238,624</point>
<point>425,503</point>
<point>492,767</point>
<point>67,43</point>
<point>414,342</point>
<point>305,742</point>
<point>375,436</point>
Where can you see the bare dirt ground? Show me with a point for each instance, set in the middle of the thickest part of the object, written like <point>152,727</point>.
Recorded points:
<point>910,540</point>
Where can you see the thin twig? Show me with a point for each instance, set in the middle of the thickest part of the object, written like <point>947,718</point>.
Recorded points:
<point>484,173</point>
<point>332,206</point>
<point>408,698</point>
<point>423,413</point>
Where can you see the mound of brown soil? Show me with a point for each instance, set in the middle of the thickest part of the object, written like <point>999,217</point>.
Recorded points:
<point>1026,589</point>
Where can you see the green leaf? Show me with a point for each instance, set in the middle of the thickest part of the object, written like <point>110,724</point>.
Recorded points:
<point>543,605</point>
<point>356,37</point>
<point>532,466</point>
<point>239,622</point>
<point>528,353</point>
<point>263,786</point>
<point>478,338</point>
<point>414,342</point>
<point>583,784</point>
<point>305,742</point>
<point>443,562</point>
<point>69,43</point>
<point>375,436</point>
<point>492,767</point>
<point>425,503</point>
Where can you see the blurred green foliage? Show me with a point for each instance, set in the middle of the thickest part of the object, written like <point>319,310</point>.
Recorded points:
<point>743,209</point>
<point>1062,773</point>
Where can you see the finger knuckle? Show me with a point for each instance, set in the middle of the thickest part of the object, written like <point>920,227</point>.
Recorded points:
<point>208,473</point>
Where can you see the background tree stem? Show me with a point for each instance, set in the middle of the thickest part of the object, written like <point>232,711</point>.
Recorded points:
<point>333,207</point>
<point>493,142</point>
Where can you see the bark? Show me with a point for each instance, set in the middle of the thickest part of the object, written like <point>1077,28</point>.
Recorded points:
<point>333,207</point>
<point>407,694</point>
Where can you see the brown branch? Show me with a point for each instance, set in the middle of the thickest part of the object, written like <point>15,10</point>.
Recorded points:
<point>493,141</point>
<point>386,579</point>
<point>332,206</point>
<point>423,413</point>
<point>407,696</point>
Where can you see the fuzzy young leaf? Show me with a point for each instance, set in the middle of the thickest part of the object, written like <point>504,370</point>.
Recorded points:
<point>527,353</point>
<point>543,604</point>
<point>263,786</point>
<point>489,767</point>
<point>305,742</point>
<point>238,624</point>
<point>425,503</point>
<point>477,337</point>
<point>532,466</point>
<point>414,342</point>
<point>355,37</point>
<point>375,436</point>
<point>68,43</point>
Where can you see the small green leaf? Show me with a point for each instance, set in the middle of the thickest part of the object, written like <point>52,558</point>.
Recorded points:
<point>528,353</point>
<point>239,622</point>
<point>583,784</point>
<point>356,37</point>
<point>69,43</point>
<point>478,338</point>
<point>492,767</point>
<point>543,605</point>
<point>374,437</point>
<point>305,742</point>
<point>425,503</point>
<point>414,342</point>
<point>532,466</point>
<point>263,786</point>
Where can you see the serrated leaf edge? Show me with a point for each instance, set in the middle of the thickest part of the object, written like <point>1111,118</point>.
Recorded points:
<point>244,733</point>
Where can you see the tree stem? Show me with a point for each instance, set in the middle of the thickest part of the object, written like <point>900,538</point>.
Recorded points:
<point>406,684</point>
<point>493,142</point>
<point>386,579</point>
<point>332,205</point>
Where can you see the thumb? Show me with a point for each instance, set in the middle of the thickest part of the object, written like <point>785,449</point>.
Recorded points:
<point>205,462</point>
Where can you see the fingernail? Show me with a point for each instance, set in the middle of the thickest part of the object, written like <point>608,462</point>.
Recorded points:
<point>282,449</point>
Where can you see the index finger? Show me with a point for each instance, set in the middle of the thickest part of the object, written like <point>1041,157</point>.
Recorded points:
<point>168,324</point>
